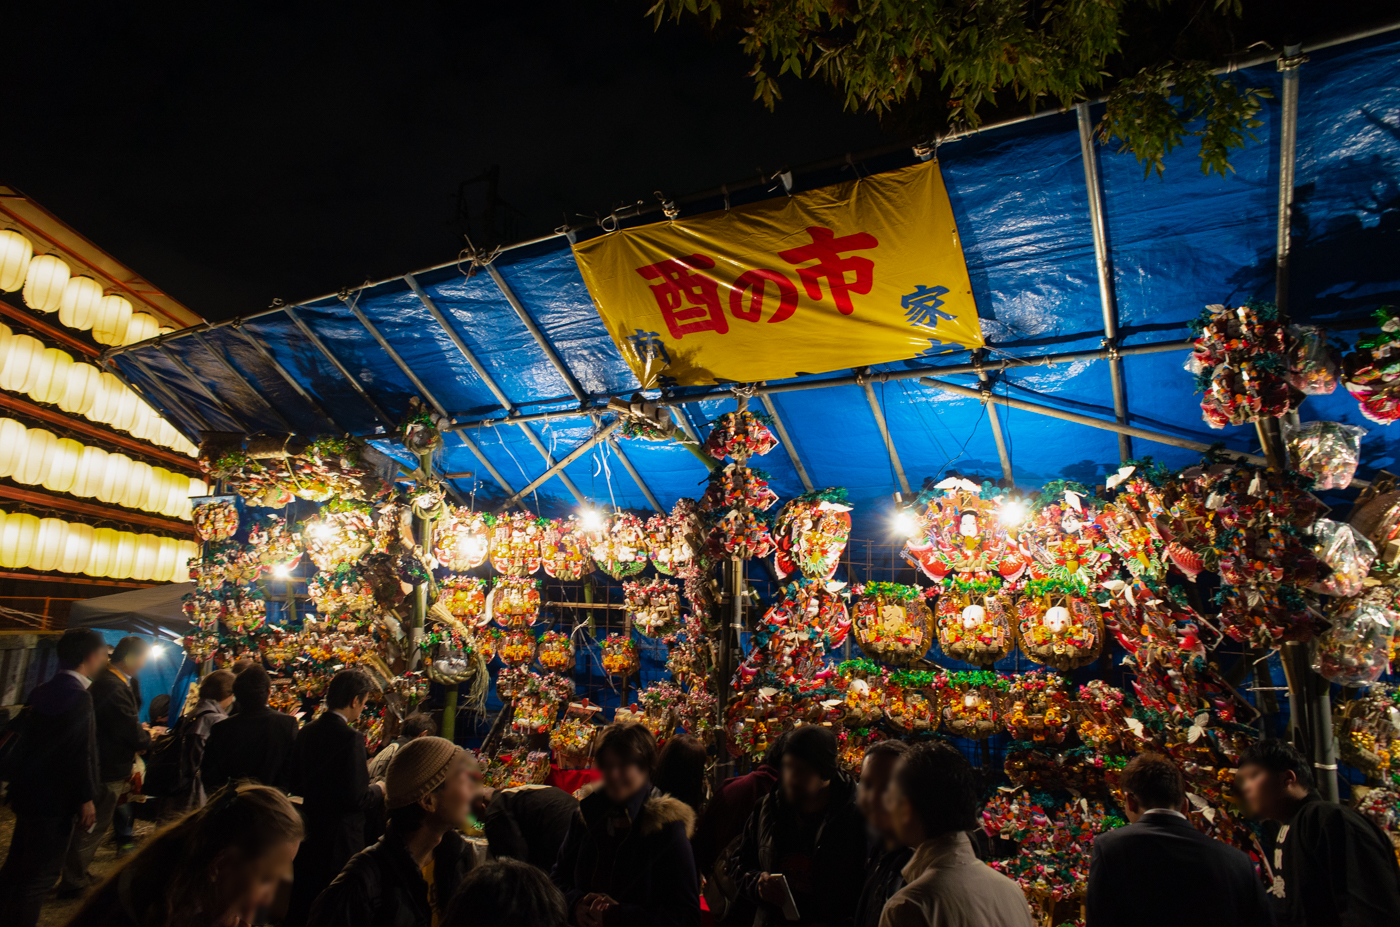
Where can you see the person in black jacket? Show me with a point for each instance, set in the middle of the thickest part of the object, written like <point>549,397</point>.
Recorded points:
<point>887,857</point>
<point>331,774</point>
<point>527,823</point>
<point>408,877</point>
<point>506,893</point>
<point>1160,871</point>
<point>254,744</point>
<point>626,860</point>
<point>53,776</point>
<point>810,833</point>
<point>1331,865</point>
<point>120,736</point>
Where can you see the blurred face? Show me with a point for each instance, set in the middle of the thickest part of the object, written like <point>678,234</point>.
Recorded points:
<point>245,886</point>
<point>454,798</point>
<point>903,822</point>
<point>134,662</point>
<point>801,784</point>
<point>94,663</point>
<point>620,780</point>
<point>870,794</point>
<point>353,710</point>
<point>1265,793</point>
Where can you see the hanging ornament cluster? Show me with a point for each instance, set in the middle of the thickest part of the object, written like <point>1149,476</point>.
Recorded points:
<point>217,519</point>
<point>462,539</point>
<point>653,605</point>
<point>537,700</point>
<point>1371,372</point>
<point>515,543</point>
<point>465,598</point>
<point>668,545</point>
<point>740,435</point>
<point>343,591</point>
<point>1240,360</point>
<point>564,551</point>
<point>892,623</point>
<point>514,601</point>
<point>738,485</point>
<point>620,548</point>
<point>811,532</point>
<point>272,471</point>
<point>621,657</point>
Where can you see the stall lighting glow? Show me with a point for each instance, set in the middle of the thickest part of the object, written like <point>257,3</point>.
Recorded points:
<point>1011,513</point>
<point>590,519</point>
<point>320,530</point>
<point>905,524</point>
<point>282,571</point>
<point>157,651</point>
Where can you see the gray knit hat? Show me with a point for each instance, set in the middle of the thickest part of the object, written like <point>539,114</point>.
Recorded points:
<point>419,767</point>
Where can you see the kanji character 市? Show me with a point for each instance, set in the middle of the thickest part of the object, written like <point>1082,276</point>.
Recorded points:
<point>826,250</point>
<point>689,302</point>
<point>649,346</point>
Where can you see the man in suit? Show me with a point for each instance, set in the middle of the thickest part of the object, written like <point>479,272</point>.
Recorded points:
<point>254,744</point>
<point>330,771</point>
<point>1160,870</point>
<point>120,736</point>
<point>53,776</point>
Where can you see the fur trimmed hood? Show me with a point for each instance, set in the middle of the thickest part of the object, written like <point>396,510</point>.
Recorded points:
<point>658,811</point>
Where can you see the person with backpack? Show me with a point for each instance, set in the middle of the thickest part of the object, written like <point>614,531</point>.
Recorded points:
<point>255,744</point>
<point>50,762</point>
<point>215,697</point>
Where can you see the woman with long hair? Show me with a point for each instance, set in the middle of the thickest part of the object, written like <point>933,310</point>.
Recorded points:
<point>219,866</point>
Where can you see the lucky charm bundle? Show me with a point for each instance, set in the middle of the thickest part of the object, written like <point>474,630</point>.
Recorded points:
<point>739,435</point>
<point>811,533</point>
<point>1240,361</point>
<point>1355,650</point>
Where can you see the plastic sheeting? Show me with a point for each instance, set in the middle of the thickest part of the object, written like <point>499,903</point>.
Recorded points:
<point>1177,242</point>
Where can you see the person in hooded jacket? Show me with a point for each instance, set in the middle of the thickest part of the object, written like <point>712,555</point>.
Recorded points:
<point>626,859</point>
<point>808,833</point>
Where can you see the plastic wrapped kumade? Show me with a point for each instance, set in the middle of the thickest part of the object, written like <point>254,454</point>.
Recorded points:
<point>1371,373</point>
<point>1355,651</point>
<point>892,623</point>
<point>1313,364</point>
<point>1341,547</point>
<point>1326,451</point>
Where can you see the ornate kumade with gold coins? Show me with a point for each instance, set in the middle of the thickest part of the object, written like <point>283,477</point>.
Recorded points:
<point>620,548</point>
<point>620,656</point>
<point>667,544</point>
<point>517,648</point>
<point>970,703</point>
<point>515,544</point>
<point>465,598</point>
<point>564,551</point>
<point>892,623</point>
<point>1038,708</point>
<point>514,602</point>
<point>654,605</point>
<point>909,706</point>
<point>975,628</point>
<point>556,652</point>
<point>1061,631</point>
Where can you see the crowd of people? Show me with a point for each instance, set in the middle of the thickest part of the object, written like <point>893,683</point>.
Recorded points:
<point>272,823</point>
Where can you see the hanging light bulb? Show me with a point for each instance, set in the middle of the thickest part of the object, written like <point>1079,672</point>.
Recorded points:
<point>157,651</point>
<point>905,524</point>
<point>590,519</point>
<point>320,530</point>
<point>1012,512</point>
<point>282,571</point>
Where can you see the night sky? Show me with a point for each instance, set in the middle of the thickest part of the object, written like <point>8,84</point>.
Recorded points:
<point>261,150</point>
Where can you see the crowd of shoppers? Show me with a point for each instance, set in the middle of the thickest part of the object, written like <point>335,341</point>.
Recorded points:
<point>379,843</point>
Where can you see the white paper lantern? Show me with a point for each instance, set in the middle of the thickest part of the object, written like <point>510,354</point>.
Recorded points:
<point>84,380</point>
<point>113,316</point>
<point>14,444</point>
<point>77,549</point>
<point>103,554</point>
<point>115,477</point>
<point>48,376</point>
<point>48,545</point>
<point>81,299</point>
<point>92,467</point>
<point>15,254</point>
<point>123,556</point>
<point>137,482</point>
<point>43,446</point>
<point>143,325</point>
<point>17,538</point>
<point>157,490</point>
<point>45,282</point>
<point>63,472</point>
<point>19,354</point>
<point>123,414</point>
<point>105,397</point>
<point>167,557</point>
<point>147,553</point>
<point>188,550</point>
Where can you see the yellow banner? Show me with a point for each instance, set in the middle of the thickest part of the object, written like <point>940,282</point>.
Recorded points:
<point>858,273</point>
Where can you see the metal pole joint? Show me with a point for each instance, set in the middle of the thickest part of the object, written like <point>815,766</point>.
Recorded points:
<point>1287,62</point>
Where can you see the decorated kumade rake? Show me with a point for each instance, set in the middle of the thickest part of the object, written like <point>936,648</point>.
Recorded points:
<point>1038,709</point>
<point>1367,730</point>
<point>1371,373</point>
<point>337,537</point>
<point>811,533</point>
<point>810,604</point>
<point>537,702</point>
<point>564,551</point>
<point>515,544</point>
<point>973,625</point>
<point>738,485</point>
<point>739,435</point>
<point>851,746</point>
<point>556,652</point>
<point>654,606</point>
<point>660,705</point>
<point>911,705</point>
<point>453,656</point>
<point>970,703</point>
<point>620,656</point>
<point>620,549</point>
<point>465,598</point>
<point>342,590</point>
<point>743,534</point>
<point>865,684</point>
<point>961,533</point>
<point>1061,631</point>
<point>514,602</point>
<point>516,648</point>
<point>572,740</point>
<point>462,540</point>
<point>247,612</point>
<point>1102,712</point>
<point>514,768</point>
<point>216,520</point>
<point>667,544</point>
<point>892,623</point>
<point>274,546</point>
<point>1240,362</point>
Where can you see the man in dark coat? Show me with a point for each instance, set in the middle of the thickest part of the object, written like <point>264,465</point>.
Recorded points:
<point>626,861</point>
<point>120,736</point>
<point>53,776</point>
<point>810,833</point>
<point>254,744</point>
<point>884,866</point>
<point>527,823</point>
<point>723,820</point>
<point>1331,865</point>
<point>411,873</point>
<point>331,774</point>
<point>1160,871</point>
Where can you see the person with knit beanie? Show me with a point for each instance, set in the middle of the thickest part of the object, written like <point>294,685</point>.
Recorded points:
<point>806,838</point>
<point>411,873</point>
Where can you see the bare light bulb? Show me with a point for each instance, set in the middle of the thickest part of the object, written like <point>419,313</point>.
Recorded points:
<point>905,524</point>
<point>281,571</point>
<point>1011,513</point>
<point>157,651</point>
<point>590,519</point>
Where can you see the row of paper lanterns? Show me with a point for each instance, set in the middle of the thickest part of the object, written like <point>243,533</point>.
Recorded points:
<point>49,286</point>
<point>51,375</point>
<point>52,544</point>
<point>36,457</point>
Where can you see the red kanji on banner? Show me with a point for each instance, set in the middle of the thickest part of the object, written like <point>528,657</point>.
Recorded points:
<point>689,301</point>
<point>826,250</point>
<point>755,282</point>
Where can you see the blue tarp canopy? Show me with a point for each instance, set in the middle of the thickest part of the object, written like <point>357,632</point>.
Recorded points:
<point>1175,242</point>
